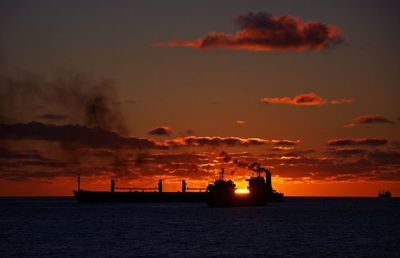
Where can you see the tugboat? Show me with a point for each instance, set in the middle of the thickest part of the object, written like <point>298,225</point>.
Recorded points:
<point>384,194</point>
<point>221,193</point>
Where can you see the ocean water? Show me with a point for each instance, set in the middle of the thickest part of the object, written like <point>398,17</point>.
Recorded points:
<point>297,227</point>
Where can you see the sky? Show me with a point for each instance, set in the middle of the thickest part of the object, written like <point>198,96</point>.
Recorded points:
<point>139,91</point>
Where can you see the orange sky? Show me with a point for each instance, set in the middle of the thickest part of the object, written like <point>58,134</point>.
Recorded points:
<point>136,93</point>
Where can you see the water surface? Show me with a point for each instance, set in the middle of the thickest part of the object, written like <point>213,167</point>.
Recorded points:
<point>307,227</point>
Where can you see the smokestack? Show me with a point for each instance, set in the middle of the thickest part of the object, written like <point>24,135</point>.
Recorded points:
<point>112,185</point>
<point>268,181</point>
<point>160,186</point>
<point>183,186</point>
<point>79,183</point>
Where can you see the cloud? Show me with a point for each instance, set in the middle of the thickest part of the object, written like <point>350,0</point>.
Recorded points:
<point>101,138</point>
<point>348,152</point>
<point>73,134</point>
<point>11,160</point>
<point>264,32</point>
<point>395,144</point>
<point>357,142</point>
<point>285,142</point>
<point>300,165</point>
<point>341,101</point>
<point>306,99</point>
<point>385,157</point>
<point>370,119</point>
<point>8,154</point>
<point>53,117</point>
<point>161,131</point>
<point>197,141</point>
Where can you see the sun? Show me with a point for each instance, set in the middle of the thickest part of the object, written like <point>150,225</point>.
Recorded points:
<point>242,191</point>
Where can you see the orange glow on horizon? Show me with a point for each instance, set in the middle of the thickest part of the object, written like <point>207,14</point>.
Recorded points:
<point>64,187</point>
<point>242,191</point>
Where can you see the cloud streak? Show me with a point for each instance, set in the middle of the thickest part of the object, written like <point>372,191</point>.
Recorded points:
<point>306,99</point>
<point>198,141</point>
<point>369,119</point>
<point>357,142</point>
<point>263,32</point>
<point>53,117</point>
<point>73,134</point>
<point>101,138</point>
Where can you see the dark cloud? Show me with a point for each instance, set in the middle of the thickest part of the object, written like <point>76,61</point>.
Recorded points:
<point>80,135</point>
<point>357,141</point>
<point>100,138</point>
<point>395,144</point>
<point>385,157</point>
<point>370,119</point>
<point>298,153</point>
<point>161,131</point>
<point>11,160</point>
<point>53,117</point>
<point>264,32</point>
<point>8,154</point>
<point>354,164</point>
<point>348,152</point>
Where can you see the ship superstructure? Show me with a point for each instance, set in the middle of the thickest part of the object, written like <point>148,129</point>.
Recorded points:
<point>260,191</point>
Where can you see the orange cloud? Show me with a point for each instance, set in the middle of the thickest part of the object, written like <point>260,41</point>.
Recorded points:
<point>264,32</point>
<point>284,143</point>
<point>198,141</point>
<point>369,119</point>
<point>306,99</point>
<point>215,141</point>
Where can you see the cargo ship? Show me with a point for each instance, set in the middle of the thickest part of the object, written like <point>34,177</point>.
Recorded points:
<point>219,193</point>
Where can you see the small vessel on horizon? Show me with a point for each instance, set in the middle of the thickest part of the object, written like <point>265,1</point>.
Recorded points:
<point>384,194</point>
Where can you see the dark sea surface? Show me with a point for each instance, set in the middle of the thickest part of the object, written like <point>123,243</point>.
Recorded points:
<point>298,227</point>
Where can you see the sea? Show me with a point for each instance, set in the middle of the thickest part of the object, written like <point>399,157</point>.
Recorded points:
<point>297,227</point>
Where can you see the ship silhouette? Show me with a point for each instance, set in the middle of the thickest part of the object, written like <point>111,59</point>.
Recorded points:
<point>384,194</point>
<point>219,193</point>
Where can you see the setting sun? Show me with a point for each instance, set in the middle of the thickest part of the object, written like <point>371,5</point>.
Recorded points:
<point>242,191</point>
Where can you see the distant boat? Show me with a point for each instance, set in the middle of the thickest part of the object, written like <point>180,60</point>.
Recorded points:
<point>384,194</point>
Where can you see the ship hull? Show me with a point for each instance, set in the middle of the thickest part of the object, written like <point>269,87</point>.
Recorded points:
<point>125,197</point>
<point>242,200</point>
